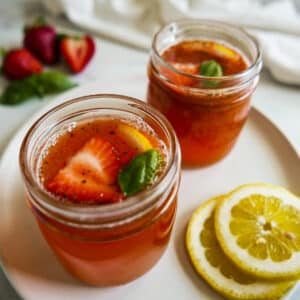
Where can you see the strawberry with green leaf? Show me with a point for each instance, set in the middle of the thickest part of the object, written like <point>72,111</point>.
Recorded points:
<point>40,40</point>
<point>94,175</point>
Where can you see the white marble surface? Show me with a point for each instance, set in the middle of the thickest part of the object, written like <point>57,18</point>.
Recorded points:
<point>278,102</point>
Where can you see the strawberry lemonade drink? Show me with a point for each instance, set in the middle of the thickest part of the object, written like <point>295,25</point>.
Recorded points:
<point>101,175</point>
<point>201,77</point>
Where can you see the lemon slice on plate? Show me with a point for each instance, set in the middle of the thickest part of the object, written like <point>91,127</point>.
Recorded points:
<point>135,138</point>
<point>258,227</point>
<point>216,268</point>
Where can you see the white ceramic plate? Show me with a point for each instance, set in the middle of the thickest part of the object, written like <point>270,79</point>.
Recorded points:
<point>262,154</point>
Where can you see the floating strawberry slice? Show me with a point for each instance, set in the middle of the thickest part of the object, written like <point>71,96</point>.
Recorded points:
<point>179,79</point>
<point>20,63</point>
<point>77,51</point>
<point>90,176</point>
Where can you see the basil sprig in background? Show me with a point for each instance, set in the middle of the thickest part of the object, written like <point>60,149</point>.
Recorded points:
<point>211,68</point>
<point>37,85</point>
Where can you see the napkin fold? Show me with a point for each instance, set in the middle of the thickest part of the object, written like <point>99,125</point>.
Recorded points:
<point>276,24</point>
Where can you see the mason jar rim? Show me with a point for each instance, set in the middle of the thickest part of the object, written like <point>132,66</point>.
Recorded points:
<point>252,70</point>
<point>75,213</point>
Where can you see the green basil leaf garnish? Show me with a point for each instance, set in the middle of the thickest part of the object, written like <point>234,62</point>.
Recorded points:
<point>211,68</point>
<point>140,172</point>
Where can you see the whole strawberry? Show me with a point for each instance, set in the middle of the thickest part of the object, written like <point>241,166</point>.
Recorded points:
<point>40,39</point>
<point>20,63</point>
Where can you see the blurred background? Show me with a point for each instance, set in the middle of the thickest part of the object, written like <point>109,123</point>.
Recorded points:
<point>275,23</point>
<point>125,29</point>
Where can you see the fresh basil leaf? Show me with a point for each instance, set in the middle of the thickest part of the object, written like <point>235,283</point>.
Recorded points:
<point>17,92</point>
<point>211,68</point>
<point>140,172</point>
<point>37,85</point>
<point>51,82</point>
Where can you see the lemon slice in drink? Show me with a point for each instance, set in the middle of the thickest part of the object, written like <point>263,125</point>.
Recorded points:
<point>258,227</point>
<point>224,51</point>
<point>215,268</point>
<point>135,138</point>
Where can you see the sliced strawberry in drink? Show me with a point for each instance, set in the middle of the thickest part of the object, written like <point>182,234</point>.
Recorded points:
<point>90,176</point>
<point>180,79</point>
<point>98,159</point>
<point>83,190</point>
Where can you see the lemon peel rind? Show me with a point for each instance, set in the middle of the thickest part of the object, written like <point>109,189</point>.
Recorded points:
<point>275,270</point>
<point>199,262</point>
<point>136,138</point>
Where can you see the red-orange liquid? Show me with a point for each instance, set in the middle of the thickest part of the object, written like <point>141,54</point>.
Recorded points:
<point>207,126</point>
<point>70,142</point>
<point>114,255</point>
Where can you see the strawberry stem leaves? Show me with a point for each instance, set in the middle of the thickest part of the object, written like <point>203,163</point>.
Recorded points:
<point>140,172</point>
<point>3,52</point>
<point>40,21</point>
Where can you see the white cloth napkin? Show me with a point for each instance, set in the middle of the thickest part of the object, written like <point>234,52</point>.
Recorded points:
<point>275,23</point>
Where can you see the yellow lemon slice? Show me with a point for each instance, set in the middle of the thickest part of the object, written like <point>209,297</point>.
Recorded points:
<point>135,138</point>
<point>258,227</point>
<point>216,268</point>
<point>222,50</point>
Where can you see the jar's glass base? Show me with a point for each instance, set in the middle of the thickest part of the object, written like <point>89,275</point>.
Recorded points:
<point>111,262</point>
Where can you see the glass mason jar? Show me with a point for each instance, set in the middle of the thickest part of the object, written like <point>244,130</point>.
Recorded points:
<point>107,244</point>
<point>207,117</point>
